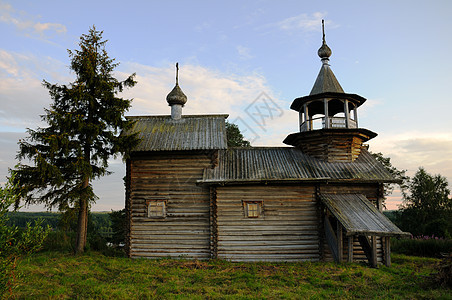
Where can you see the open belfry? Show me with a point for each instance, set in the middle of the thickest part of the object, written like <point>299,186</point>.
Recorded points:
<point>189,195</point>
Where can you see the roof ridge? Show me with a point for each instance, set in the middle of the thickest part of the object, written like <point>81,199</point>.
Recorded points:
<point>183,116</point>
<point>261,147</point>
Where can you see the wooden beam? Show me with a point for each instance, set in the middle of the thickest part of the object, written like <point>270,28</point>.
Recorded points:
<point>350,249</point>
<point>387,250</point>
<point>327,118</point>
<point>347,114</point>
<point>339,238</point>
<point>373,262</point>
<point>331,238</point>
<point>366,246</point>
<point>300,120</point>
<point>307,118</point>
<point>355,112</point>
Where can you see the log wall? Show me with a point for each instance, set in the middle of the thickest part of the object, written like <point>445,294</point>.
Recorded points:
<point>185,231</point>
<point>287,229</point>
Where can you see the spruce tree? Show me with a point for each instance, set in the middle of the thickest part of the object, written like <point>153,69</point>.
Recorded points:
<point>83,132</point>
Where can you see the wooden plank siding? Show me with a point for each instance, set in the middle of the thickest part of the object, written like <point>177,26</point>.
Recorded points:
<point>185,231</point>
<point>287,229</point>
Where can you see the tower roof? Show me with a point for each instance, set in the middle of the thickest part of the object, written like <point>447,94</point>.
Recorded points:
<point>326,82</point>
<point>176,96</point>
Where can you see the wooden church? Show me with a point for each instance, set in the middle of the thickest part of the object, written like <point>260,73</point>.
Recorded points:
<point>189,195</point>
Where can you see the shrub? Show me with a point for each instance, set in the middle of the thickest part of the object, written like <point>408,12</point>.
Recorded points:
<point>60,240</point>
<point>427,246</point>
<point>15,243</point>
<point>444,276</point>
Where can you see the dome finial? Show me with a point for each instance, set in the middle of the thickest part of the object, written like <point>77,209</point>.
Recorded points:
<point>177,73</point>
<point>324,51</point>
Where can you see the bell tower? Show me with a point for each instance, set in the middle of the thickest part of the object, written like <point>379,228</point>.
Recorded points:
<point>328,117</point>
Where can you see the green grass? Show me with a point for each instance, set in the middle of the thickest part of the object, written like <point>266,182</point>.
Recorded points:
<point>62,276</point>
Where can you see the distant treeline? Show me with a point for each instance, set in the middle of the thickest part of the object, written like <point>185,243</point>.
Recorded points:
<point>391,215</point>
<point>99,222</point>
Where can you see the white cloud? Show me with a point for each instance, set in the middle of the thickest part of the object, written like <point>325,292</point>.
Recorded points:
<point>42,27</point>
<point>27,23</point>
<point>21,92</point>
<point>208,91</point>
<point>8,64</point>
<point>412,150</point>
<point>304,22</point>
<point>247,99</point>
<point>244,52</point>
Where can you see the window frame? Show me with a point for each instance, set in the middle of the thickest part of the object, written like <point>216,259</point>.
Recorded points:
<point>256,213</point>
<point>156,203</point>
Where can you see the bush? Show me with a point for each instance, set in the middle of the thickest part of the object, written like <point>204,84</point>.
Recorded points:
<point>15,243</point>
<point>444,276</point>
<point>426,246</point>
<point>60,240</point>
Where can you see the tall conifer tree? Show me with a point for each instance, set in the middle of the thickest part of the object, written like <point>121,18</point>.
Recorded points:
<point>84,125</point>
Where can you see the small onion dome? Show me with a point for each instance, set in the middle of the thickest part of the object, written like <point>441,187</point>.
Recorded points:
<point>324,51</point>
<point>176,96</point>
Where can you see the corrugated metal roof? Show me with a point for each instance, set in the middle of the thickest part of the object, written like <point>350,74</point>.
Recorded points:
<point>191,132</point>
<point>290,164</point>
<point>358,215</point>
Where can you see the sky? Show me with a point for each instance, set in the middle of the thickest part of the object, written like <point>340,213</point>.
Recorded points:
<point>236,56</point>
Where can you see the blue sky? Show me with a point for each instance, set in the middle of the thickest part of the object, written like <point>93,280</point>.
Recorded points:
<point>394,53</point>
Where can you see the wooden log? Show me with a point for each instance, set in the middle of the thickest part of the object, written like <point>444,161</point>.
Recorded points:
<point>374,260</point>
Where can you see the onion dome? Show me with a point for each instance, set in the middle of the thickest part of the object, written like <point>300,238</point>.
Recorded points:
<point>176,96</point>
<point>324,51</point>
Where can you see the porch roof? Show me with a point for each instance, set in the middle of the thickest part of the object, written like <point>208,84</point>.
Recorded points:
<point>359,216</point>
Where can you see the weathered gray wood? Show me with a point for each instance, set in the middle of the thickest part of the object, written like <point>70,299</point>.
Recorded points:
<point>207,222</point>
<point>287,228</point>
<point>350,249</point>
<point>340,243</point>
<point>325,110</point>
<point>387,251</point>
<point>366,247</point>
<point>347,114</point>
<point>186,229</point>
<point>331,239</point>
<point>374,260</point>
